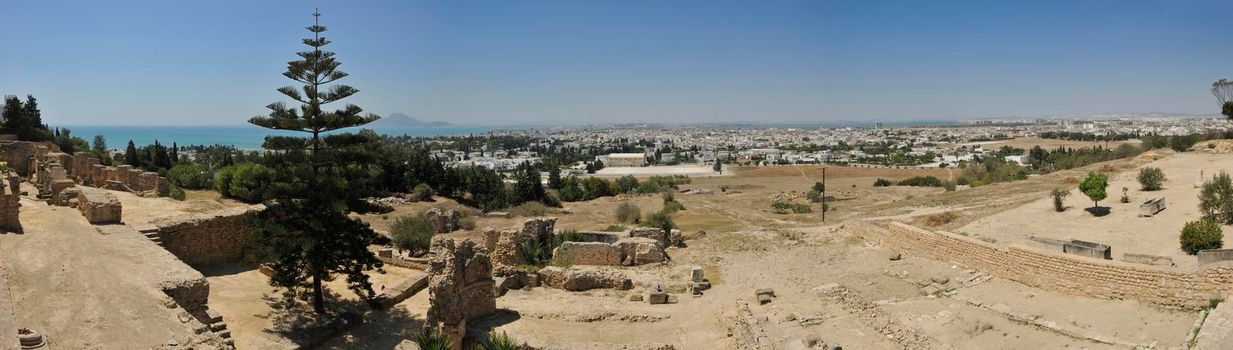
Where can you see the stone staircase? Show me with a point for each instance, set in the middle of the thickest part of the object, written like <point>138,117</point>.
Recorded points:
<point>150,232</point>
<point>219,327</point>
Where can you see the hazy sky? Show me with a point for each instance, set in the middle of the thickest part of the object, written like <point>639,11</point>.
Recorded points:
<point>215,62</point>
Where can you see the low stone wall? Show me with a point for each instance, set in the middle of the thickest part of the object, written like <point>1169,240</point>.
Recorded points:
<point>1209,256</point>
<point>1056,271</point>
<point>207,239</point>
<point>576,280</point>
<point>1147,259</point>
<point>396,294</point>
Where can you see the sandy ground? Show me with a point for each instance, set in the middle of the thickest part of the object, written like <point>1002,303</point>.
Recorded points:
<point>86,290</point>
<point>247,301</point>
<point>1123,229</point>
<point>138,210</point>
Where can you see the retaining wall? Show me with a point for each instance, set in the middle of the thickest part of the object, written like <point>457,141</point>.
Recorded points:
<point>1094,278</point>
<point>1209,256</point>
<point>207,239</point>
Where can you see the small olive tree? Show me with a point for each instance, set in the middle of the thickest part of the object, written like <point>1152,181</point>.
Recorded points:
<point>1216,198</point>
<point>1150,179</point>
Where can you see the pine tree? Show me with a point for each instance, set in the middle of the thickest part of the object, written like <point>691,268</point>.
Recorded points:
<point>161,159</point>
<point>554,177</point>
<point>130,155</point>
<point>100,144</point>
<point>175,153</point>
<point>306,234</point>
<point>12,111</point>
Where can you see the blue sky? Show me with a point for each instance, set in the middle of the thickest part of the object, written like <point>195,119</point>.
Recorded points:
<point>576,62</point>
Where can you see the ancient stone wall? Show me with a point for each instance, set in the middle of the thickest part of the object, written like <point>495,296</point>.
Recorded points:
<point>1059,272</point>
<point>1209,256</point>
<point>460,288</point>
<point>36,161</point>
<point>207,239</point>
<point>628,252</point>
<point>10,202</point>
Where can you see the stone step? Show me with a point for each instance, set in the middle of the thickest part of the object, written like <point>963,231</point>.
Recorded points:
<point>218,326</point>
<point>214,316</point>
<point>225,334</point>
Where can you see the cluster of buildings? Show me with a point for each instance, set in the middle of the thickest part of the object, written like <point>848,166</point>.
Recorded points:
<point>918,145</point>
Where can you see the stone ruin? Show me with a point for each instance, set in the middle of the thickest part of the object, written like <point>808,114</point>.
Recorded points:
<point>460,288</point>
<point>10,202</point>
<point>629,251</point>
<point>98,206</point>
<point>504,243</point>
<point>43,164</point>
<point>443,220</point>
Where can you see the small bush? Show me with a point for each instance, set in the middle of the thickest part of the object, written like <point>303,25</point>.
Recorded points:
<point>1059,196</point>
<point>532,252</point>
<point>428,340</point>
<point>1150,179</point>
<point>948,185</point>
<point>176,193</point>
<point>801,208</point>
<point>466,223</point>
<point>498,342</point>
<point>940,219</point>
<point>529,209</point>
<point>880,182</point>
<point>921,181</point>
<point>412,233</point>
<point>422,193</point>
<point>1200,235</point>
<point>628,213</point>
<point>673,206</point>
<point>1216,198</point>
<point>660,220</point>
<point>614,228</point>
<point>569,235</point>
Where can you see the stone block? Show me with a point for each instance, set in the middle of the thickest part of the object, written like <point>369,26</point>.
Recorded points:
<point>99,206</point>
<point>655,298</point>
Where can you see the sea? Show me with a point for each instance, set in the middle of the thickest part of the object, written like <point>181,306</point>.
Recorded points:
<point>247,137</point>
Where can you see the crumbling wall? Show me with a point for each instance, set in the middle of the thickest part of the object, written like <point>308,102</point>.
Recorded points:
<point>576,280</point>
<point>10,202</point>
<point>628,252</point>
<point>460,288</point>
<point>207,239</point>
<point>443,220</point>
<point>8,322</point>
<point>503,243</point>
<point>1057,271</point>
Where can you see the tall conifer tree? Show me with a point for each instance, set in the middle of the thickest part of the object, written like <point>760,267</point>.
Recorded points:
<point>306,236</point>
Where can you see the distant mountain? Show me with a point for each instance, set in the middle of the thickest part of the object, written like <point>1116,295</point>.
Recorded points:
<point>399,120</point>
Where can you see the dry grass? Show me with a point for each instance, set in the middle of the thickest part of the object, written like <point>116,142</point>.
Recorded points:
<point>940,219</point>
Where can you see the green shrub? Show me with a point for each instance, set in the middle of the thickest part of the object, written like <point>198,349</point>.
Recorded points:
<point>628,213</point>
<point>570,235</point>
<point>1150,179</point>
<point>627,183</point>
<point>670,203</point>
<point>412,233</point>
<point>498,342</point>
<point>176,193</point>
<point>245,182</point>
<point>1200,235</point>
<point>529,209</point>
<point>428,340</point>
<point>189,176</point>
<point>532,253</point>
<point>801,208</point>
<point>1216,198</point>
<point>921,181</point>
<point>660,220</point>
<point>880,182</point>
<point>422,193</point>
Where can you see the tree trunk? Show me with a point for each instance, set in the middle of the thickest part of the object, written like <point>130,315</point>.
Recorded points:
<point>318,296</point>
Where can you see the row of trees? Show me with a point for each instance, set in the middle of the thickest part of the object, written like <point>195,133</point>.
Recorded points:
<point>24,119</point>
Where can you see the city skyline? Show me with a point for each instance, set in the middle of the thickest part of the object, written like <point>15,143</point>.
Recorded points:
<point>536,63</point>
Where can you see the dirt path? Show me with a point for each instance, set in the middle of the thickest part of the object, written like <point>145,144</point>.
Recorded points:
<point>83,289</point>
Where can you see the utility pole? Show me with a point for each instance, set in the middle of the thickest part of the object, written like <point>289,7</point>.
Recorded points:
<point>824,193</point>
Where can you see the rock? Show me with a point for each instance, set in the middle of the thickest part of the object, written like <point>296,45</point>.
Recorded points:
<point>657,298</point>
<point>642,250</point>
<point>443,221</point>
<point>635,297</point>
<point>576,280</point>
<point>789,317</point>
<point>896,257</point>
<point>696,274</point>
<point>930,290</point>
<point>765,291</point>
<point>701,286</point>
<point>940,279</point>
<point>764,299</point>
<point>672,299</point>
